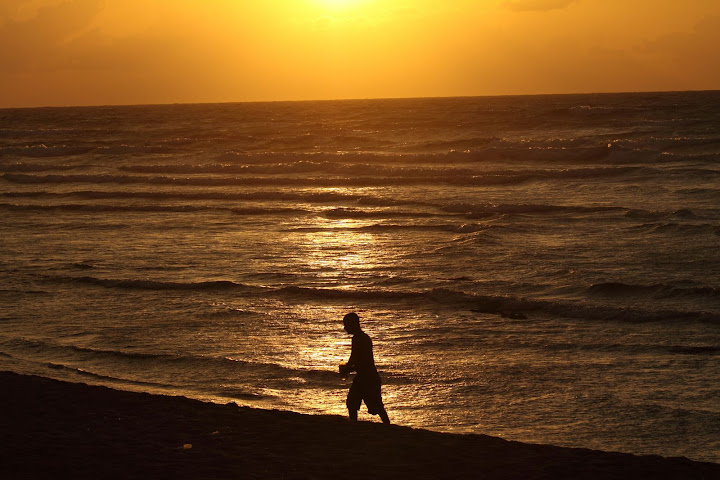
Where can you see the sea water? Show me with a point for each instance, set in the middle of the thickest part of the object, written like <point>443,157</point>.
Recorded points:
<point>541,268</point>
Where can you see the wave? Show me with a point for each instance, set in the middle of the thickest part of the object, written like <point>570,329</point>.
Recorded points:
<point>512,307</point>
<point>385,227</point>
<point>481,303</point>
<point>700,191</point>
<point>98,376</point>
<point>265,195</point>
<point>525,152</point>
<point>684,213</point>
<point>155,208</point>
<point>694,349</point>
<point>711,158</point>
<point>299,167</point>
<point>522,308</point>
<point>618,289</point>
<point>78,359</point>
<point>507,306</point>
<point>33,167</point>
<point>680,228</point>
<point>145,284</point>
<point>468,209</point>
<point>82,266</point>
<point>385,170</point>
<point>526,208</point>
<point>458,143</point>
<point>48,151</point>
<point>593,111</point>
<point>45,151</point>
<point>340,212</point>
<point>462,151</point>
<point>25,292</point>
<point>121,378</point>
<point>699,173</point>
<point>500,177</point>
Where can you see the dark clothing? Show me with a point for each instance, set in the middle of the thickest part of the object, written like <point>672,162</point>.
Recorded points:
<point>366,385</point>
<point>361,356</point>
<point>365,388</point>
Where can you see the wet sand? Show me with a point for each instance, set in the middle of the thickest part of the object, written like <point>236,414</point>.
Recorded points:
<point>52,429</point>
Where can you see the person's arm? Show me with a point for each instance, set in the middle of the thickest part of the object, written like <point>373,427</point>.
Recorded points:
<point>351,364</point>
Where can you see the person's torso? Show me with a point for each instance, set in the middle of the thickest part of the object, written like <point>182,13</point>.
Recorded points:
<point>363,352</point>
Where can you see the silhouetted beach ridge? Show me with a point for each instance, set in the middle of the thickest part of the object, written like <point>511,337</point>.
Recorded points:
<point>69,430</point>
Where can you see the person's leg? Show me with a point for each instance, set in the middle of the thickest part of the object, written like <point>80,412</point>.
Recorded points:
<point>373,399</point>
<point>354,399</point>
<point>384,416</point>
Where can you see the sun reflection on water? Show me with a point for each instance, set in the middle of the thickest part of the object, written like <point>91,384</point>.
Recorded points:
<point>305,336</point>
<point>339,250</point>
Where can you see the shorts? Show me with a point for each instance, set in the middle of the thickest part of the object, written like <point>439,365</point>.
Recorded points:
<point>365,388</point>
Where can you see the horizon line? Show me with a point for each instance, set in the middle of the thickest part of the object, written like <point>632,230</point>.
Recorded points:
<point>619,92</point>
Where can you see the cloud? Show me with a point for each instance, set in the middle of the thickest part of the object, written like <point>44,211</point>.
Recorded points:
<point>41,40</point>
<point>537,5</point>
<point>64,37</point>
<point>691,54</point>
<point>690,59</point>
<point>702,41</point>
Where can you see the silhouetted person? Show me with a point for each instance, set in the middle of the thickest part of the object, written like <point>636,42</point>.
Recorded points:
<point>366,385</point>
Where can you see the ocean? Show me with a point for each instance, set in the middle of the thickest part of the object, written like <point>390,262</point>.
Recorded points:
<point>539,268</point>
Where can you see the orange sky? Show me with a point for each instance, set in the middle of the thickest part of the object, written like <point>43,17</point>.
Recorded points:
<point>89,52</point>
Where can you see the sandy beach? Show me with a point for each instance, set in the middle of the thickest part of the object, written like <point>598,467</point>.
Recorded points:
<point>53,429</point>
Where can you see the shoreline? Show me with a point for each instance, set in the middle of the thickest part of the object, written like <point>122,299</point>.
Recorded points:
<point>54,429</point>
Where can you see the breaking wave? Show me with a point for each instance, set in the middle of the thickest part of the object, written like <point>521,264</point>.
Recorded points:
<point>505,305</point>
<point>619,289</point>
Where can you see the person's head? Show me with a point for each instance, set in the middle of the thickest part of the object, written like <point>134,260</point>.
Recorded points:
<point>351,322</point>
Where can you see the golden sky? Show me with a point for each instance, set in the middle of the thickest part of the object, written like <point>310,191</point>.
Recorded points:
<point>89,52</point>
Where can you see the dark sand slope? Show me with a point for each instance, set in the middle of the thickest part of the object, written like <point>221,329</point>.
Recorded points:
<point>52,429</point>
